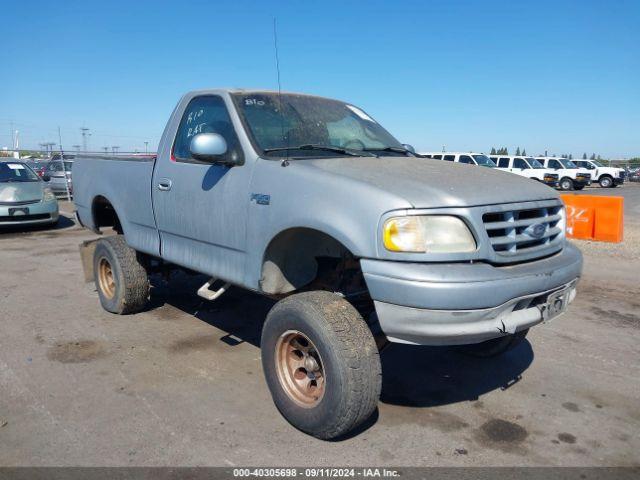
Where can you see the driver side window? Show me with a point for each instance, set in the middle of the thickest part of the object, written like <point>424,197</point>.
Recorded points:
<point>205,114</point>
<point>520,163</point>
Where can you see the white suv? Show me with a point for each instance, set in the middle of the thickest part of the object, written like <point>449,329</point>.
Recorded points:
<point>606,176</point>
<point>526,167</point>
<point>461,157</point>
<point>572,177</point>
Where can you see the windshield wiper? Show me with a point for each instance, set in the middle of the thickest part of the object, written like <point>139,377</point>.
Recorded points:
<point>328,148</point>
<point>389,149</point>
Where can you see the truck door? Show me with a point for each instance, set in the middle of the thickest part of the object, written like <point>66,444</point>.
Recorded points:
<point>201,208</point>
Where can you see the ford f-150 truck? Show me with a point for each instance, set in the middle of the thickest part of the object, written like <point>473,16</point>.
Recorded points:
<point>313,203</point>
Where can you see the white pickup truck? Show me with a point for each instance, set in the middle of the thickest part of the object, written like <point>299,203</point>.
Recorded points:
<point>607,177</point>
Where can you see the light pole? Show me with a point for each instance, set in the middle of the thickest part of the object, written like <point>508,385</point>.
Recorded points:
<point>84,131</point>
<point>146,149</point>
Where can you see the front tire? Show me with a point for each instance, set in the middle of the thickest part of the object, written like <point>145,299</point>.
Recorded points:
<point>321,364</point>
<point>495,346</point>
<point>121,280</point>
<point>606,181</point>
<point>566,184</point>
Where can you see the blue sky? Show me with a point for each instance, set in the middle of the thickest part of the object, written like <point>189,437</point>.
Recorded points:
<point>546,75</point>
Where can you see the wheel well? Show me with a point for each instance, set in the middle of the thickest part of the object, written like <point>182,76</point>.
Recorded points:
<point>306,258</point>
<point>104,215</point>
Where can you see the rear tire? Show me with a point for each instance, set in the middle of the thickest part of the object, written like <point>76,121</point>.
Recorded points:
<point>321,364</point>
<point>495,346</point>
<point>566,184</point>
<point>606,181</point>
<point>121,280</point>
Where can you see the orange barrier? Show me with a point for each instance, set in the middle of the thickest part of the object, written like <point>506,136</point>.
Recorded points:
<point>591,217</point>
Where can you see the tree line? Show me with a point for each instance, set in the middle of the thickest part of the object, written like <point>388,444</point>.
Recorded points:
<point>523,152</point>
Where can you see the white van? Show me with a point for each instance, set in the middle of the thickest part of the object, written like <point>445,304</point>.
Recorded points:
<point>607,177</point>
<point>461,157</point>
<point>526,167</point>
<point>571,176</point>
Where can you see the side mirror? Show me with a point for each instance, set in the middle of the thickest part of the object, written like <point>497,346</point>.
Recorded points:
<point>46,178</point>
<point>208,147</point>
<point>409,147</point>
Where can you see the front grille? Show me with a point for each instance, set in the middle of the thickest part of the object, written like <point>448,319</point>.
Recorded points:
<point>24,202</point>
<point>25,218</point>
<point>516,232</point>
<point>623,175</point>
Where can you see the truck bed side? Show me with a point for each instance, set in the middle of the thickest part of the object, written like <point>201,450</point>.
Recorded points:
<point>125,183</point>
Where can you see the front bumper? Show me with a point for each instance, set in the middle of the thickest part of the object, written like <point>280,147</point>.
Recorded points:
<point>39,213</point>
<point>551,180</point>
<point>582,181</point>
<point>618,180</point>
<point>456,303</point>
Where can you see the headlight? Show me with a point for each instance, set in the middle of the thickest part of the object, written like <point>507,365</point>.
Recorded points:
<point>47,195</point>
<point>428,233</point>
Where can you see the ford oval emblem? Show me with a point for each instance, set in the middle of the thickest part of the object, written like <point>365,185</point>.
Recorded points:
<point>536,230</point>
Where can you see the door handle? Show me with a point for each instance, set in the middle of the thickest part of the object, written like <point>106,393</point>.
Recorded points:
<point>165,184</point>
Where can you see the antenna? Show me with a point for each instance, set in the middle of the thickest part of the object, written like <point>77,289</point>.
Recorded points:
<point>275,44</point>
<point>285,162</point>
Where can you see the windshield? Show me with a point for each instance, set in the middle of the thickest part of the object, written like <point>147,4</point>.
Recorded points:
<point>568,164</point>
<point>484,161</point>
<point>16,172</point>
<point>598,163</point>
<point>534,163</point>
<point>308,120</point>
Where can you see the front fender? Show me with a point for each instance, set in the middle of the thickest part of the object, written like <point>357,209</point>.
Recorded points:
<point>344,209</point>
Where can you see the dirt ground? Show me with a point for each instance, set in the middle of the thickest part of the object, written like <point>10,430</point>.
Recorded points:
<point>181,383</point>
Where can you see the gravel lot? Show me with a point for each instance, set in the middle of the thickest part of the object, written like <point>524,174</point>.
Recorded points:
<point>181,384</point>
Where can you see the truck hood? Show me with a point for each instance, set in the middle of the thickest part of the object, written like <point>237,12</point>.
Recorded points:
<point>427,183</point>
<point>20,191</point>
<point>610,170</point>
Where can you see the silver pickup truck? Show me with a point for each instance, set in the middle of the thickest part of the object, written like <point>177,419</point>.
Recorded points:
<point>311,202</point>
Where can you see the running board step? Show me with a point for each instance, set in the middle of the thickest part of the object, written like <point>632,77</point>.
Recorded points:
<point>211,295</point>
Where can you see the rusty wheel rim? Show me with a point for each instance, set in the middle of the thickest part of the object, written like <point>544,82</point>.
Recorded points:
<point>300,369</point>
<point>106,279</point>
